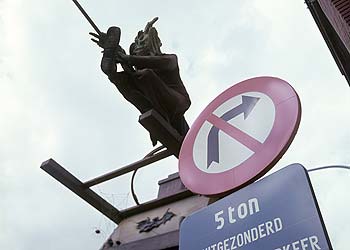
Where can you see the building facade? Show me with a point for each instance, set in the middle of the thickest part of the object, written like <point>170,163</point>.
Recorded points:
<point>333,19</point>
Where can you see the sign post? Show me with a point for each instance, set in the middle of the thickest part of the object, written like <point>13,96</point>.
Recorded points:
<point>279,212</point>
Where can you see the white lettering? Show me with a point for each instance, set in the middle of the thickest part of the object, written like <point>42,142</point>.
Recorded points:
<point>242,210</point>
<point>294,244</point>
<point>269,229</point>
<point>313,243</point>
<point>220,246</point>
<point>253,206</point>
<point>219,219</point>
<point>247,237</point>
<point>240,240</point>
<point>303,244</point>
<point>230,215</point>
<point>233,242</point>
<point>255,235</point>
<point>278,224</point>
<point>261,230</point>
<point>226,244</point>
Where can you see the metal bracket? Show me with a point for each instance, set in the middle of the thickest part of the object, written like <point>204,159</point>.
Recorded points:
<point>167,135</point>
<point>76,186</point>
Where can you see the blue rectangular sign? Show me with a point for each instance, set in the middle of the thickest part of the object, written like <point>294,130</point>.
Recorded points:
<point>279,212</point>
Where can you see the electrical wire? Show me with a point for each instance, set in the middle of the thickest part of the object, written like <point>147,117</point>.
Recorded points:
<point>327,167</point>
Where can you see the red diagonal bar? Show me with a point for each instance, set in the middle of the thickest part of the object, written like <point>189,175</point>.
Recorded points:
<point>235,133</point>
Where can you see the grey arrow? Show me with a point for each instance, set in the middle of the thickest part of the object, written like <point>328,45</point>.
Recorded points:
<point>247,105</point>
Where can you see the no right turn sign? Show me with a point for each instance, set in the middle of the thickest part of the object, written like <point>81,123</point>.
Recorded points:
<point>239,136</point>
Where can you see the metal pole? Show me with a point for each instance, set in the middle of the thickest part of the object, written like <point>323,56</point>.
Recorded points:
<point>75,185</point>
<point>128,168</point>
<point>87,17</point>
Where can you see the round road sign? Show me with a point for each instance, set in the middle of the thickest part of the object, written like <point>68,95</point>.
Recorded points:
<point>239,136</point>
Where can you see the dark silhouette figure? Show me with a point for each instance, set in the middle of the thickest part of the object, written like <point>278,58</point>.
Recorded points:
<point>150,79</point>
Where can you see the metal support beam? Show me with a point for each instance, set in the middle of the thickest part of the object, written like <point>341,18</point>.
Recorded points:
<point>76,186</point>
<point>161,129</point>
<point>129,168</point>
<point>158,127</point>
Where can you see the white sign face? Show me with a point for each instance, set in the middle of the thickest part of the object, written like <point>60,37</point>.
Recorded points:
<point>246,130</point>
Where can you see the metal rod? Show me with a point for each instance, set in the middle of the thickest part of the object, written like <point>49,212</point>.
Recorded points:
<point>76,186</point>
<point>129,168</point>
<point>326,167</point>
<point>133,193</point>
<point>87,17</point>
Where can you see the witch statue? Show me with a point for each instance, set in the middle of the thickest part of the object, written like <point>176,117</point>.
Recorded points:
<point>149,79</point>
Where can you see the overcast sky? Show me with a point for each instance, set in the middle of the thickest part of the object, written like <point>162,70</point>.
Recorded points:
<point>55,102</point>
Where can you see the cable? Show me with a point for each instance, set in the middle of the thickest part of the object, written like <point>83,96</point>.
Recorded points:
<point>327,167</point>
<point>134,196</point>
